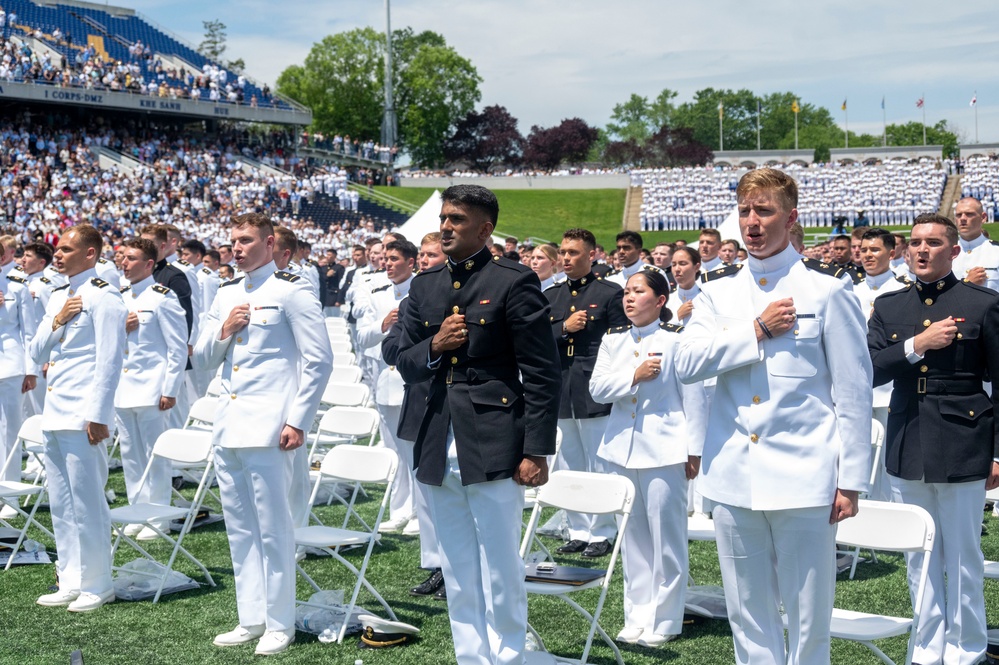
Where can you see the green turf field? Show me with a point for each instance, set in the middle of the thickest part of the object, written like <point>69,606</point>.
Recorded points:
<point>546,213</point>
<point>179,629</point>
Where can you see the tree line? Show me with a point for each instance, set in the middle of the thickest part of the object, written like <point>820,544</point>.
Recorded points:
<point>436,91</point>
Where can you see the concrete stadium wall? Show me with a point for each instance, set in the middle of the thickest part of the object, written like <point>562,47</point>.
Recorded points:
<point>607,181</point>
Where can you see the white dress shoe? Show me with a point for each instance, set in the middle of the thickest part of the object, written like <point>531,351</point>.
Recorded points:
<point>58,599</point>
<point>88,602</point>
<point>650,639</point>
<point>412,528</point>
<point>629,635</point>
<point>394,526</point>
<point>147,534</point>
<point>275,641</point>
<point>8,512</point>
<point>239,635</point>
<point>133,530</point>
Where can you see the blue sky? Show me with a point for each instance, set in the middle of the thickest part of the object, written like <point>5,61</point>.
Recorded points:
<point>546,61</point>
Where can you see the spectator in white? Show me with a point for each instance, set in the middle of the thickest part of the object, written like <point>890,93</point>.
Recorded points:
<point>978,261</point>
<point>81,337</point>
<point>152,377</point>
<point>629,254</point>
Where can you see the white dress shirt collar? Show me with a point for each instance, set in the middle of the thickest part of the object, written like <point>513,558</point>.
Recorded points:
<point>780,260</point>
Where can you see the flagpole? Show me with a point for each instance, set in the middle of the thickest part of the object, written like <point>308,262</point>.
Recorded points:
<point>924,118</point>
<point>758,125</point>
<point>884,124</point>
<point>846,135</point>
<point>721,129</point>
<point>976,116</point>
<point>796,126</point>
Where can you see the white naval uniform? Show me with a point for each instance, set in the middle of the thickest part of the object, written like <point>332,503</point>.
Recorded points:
<point>208,283</point>
<point>273,373</point>
<point>360,291</point>
<point>712,264</point>
<point>652,428</point>
<point>153,367</point>
<point>18,322</point>
<point>389,393</point>
<point>696,503</point>
<point>871,287</point>
<point>621,277</point>
<point>981,253</point>
<point>778,445</point>
<point>177,416</point>
<point>85,362</point>
<point>107,271</point>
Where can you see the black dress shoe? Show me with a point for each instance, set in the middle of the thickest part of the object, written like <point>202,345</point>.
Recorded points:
<point>597,549</point>
<point>430,585</point>
<point>441,593</point>
<point>572,547</point>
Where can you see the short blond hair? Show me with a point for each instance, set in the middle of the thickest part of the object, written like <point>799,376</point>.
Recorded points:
<point>769,180</point>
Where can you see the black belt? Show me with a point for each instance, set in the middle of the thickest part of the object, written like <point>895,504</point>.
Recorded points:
<point>476,374</point>
<point>926,386</point>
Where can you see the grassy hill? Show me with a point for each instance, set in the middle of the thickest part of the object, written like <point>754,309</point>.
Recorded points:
<point>546,213</point>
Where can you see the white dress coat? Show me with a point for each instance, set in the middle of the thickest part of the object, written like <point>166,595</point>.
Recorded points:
<point>382,300</point>
<point>653,423</point>
<point>18,322</point>
<point>156,354</point>
<point>274,370</point>
<point>867,291</point>
<point>791,416</point>
<point>980,252</point>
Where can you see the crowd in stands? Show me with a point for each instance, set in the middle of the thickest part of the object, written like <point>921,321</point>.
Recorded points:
<point>892,193</point>
<point>511,173</point>
<point>353,148</point>
<point>52,180</point>
<point>979,179</point>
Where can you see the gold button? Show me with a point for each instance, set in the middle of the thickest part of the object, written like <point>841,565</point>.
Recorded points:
<point>239,339</point>
<point>894,336</point>
<point>572,309</point>
<point>574,293</point>
<point>233,395</point>
<point>454,360</point>
<point>763,281</point>
<point>926,323</point>
<point>426,324</point>
<point>126,352</point>
<point>72,291</point>
<point>960,336</point>
<point>754,438</point>
<point>570,340</point>
<point>551,318</point>
<point>52,364</point>
<point>756,399</point>
<point>50,387</point>
<point>634,400</point>
<point>633,416</point>
<point>971,413</point>
<point>125,370</point>
<point>249,286</point>
<point>457,285</point>
<point>61,339</point>
<point>264,321</point>
<point>636,354</point>
<point>235,368</point>
<point>593,318</point>
<point>924,369</point>
<point>455,308</point>
<point>797,332</point>
<point>482,322</point>
<point>928,301</point>
<point>504,400</point>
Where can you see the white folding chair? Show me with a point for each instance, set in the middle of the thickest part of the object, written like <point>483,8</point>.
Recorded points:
<point>351,464</point>
<point>342,425</point>
<point>13,492</point>
<point>590,493</point>
<point>214,387</point>
<point>877,444</point>
<point>345,374</point>
<point>345,394</point>
<point>30,437</point>
<point>340,348</point>
<point>344,358</point>
<point>181,448</point>
<point>201,416</point>
<point>336,323</point>
<point>992,567</point>
<point>531,496</point>
<point>891,527</point>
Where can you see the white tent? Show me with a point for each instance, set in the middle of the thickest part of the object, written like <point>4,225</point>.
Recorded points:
<point>425,220</point>
<point>730,227</point>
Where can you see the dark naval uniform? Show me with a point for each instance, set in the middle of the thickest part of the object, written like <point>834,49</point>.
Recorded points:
<point>940,444</point>
<point>581,419</point>
<point>492,401</point>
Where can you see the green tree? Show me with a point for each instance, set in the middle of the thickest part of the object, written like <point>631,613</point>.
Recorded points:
<point>911,133</point>
<point>739,121</point>
<point>213,45</point>
<point>639,119</point>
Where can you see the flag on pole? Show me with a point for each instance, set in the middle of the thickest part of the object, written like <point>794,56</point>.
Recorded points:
<point>882,103</point>
<point>721,110</point>
<point>794,106</point>
<point>843,107</point>
<point>919,103</point>
<point>974,100</point>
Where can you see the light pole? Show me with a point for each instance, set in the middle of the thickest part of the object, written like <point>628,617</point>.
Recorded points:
<point>390,131</point>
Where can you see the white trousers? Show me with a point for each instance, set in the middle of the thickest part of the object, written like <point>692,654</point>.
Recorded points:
<point>177,416</point>
<point>138,429</point>
<point>580,440</point>
<point>430,549</point>
<point>881,488</point>
<point>654,549</point>
<point>479,530</point>
<point>952,627</point>
<point>772,557</point>
<point>11,417</point>
<point>402,504</point>
<point>300,484</point>
<point>81,520</point>
<point>253,484</point>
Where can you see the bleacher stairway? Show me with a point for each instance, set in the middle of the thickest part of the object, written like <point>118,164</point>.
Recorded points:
<point>951,195</point>
<point>632,210</point>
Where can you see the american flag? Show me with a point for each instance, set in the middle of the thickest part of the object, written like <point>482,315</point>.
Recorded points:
<point>919,103</point>
<point>974,100</point>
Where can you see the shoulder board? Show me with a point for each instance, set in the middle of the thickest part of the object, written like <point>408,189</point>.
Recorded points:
<point>286,276</point>
<point>727,271</point>
<point>612,273</point>
<point>183,262</point>
<point>15,278</point>
<point>206,271</point>
<point>824,268</point>
<point>619,329</point>
<point>235,280</point>
<point>102,260</point>
<point>18,269</point>
<point>64,286</point>
<point>994,242</point>
<point>98,282</point>
<point>378,271</point>
<point>902,279</point>
<point>382,288</point>
<point>125,288</point>
<point>44,280</point>
<point>671,327</point>
<point>159,288</point>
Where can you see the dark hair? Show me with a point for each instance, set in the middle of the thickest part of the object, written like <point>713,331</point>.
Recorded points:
<point>285,239</point>
<point>714,233</point>
<point>194,246</point>
<point>655,280</point>
<point>257,220</point>
<point>144,245</point>
<point>404,247</point>
<point>213,255</point>
<point>581,234</point>
<point>474,196</point>
<point>886,237</point>
<point>932,218</point>
<point>840,238</point>
<point>42,250</point>
<point>513,256</point>
<point>691,252</point>
<point>90,237</point>
<point>631,237</point>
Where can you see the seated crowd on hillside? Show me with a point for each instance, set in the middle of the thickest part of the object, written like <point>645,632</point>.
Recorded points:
<point>979,180</point>
<point>353,148</point>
